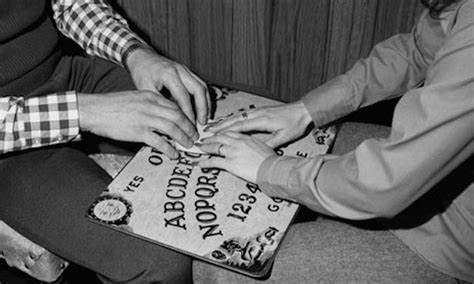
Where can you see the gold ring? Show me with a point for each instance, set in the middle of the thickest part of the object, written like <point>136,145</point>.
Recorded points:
<point>244,115</point>
<point>219,149</point>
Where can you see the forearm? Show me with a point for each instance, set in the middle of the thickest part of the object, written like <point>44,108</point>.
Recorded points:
<point>381,177</point>
<point>292,178</point>
<point>392,67</point>
<point>363,184</point>
<point>38,121</point>
<point>96,27</point>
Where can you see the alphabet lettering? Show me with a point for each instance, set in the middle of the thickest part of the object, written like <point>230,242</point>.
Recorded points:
<point>176,221</point>
<point>177,182</point>
<point>182,172</point>
<point>210,231</point>
<point>174,206</point>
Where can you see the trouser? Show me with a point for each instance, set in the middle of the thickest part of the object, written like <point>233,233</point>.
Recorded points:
<point>45,194</point>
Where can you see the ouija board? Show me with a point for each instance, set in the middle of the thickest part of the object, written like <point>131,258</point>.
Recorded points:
<point>209,214</point>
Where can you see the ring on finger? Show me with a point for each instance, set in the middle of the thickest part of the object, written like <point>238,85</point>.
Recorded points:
<point>244,115</point>
<point>219,149</point>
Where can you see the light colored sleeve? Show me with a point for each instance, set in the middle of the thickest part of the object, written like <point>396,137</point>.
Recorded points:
<point>96,27</point>
<point>392,67</point>
<point>38,121</point>
<point>432,133</point>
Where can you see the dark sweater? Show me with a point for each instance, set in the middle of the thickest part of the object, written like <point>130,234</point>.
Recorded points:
<point>28,46</point>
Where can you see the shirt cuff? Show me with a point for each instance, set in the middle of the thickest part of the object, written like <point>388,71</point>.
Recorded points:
<point>290,178</point>
<point>272,176</point>
<point>51,119</point>
<point>129,48</point>
<point>294,179</point>
<point>329,102</point>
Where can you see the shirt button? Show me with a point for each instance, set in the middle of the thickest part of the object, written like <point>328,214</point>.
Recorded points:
<point>61,138</point>
<point>37,140</point>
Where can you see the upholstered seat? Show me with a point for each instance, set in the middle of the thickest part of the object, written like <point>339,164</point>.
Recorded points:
<point>29,257</point>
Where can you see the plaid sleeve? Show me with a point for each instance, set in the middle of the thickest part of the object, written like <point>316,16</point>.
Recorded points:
<point>39,121</point>
<point>96,27</point>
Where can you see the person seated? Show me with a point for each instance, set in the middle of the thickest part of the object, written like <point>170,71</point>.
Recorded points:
<point>50,99</point>
<point>432,69</point>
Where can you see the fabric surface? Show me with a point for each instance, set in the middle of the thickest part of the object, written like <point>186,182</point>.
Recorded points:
<point>331,251</point>
<point>38,121</point>
<point>46,192</point>
<point>431,136</point>
<point>328,251</point>
<point>28,46</point>
<point>97,28</point>
<point>29,54</point>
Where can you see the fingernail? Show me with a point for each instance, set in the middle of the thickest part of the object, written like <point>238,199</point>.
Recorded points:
<point>175,156</point>
<point>207,128</point>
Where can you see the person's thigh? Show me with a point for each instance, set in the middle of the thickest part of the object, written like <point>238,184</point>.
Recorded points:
<point>44,196</point>
<point>96,76</point>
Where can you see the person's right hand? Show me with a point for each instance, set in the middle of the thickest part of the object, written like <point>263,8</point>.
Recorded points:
<point>285,122</point>
<point>136,116</point>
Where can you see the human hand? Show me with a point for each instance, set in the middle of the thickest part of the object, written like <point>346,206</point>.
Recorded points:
<point>238,153</point>
<point>136,116</point>
<point>151,71</point>
<point>285,122</point>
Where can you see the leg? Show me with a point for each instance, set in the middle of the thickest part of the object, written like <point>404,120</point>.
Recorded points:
<point>97,76</point>
<point>60,183</point>
<point>45,194</point>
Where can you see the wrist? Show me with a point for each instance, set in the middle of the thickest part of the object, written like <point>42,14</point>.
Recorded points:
<point>84,104</point>
<point>305,116</point>
<point>132,54</point>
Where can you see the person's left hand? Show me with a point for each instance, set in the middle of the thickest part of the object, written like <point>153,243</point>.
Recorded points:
<point>151,71</point>
<point>238,153</point>
<point>285,122</point>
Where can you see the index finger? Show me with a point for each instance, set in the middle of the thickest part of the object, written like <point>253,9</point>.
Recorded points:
<point>199,90</point>
<point>224,123</point>
<point>247,125</point>
<point>179,92</point>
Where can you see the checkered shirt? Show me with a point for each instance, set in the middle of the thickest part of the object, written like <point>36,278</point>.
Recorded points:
<point>38,121</point>
<point>96,27</point>
<point>52,119</point>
